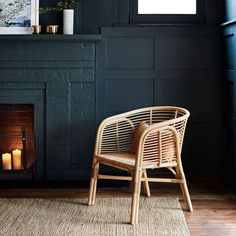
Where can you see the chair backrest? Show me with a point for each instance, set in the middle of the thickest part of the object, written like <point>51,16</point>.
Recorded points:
<point>117,130</point>
<point>114,135</point>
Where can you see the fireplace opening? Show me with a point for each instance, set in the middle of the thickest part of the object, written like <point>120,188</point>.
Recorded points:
<point>17,142</point>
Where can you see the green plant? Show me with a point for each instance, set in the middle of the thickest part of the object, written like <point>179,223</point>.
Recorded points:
<point>61,5</point>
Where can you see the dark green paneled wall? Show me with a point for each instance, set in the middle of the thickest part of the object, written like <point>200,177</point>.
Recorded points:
<point>151,66</point>
<point>132,66</point>
<point>90,15</point>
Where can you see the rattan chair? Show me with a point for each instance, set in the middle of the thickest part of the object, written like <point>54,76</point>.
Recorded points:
<point>159,146</point>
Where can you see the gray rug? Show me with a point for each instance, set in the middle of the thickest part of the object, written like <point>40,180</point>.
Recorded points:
<point>109,216</point>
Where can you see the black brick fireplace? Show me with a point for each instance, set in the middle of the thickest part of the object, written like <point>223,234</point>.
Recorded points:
<point>55,89</point>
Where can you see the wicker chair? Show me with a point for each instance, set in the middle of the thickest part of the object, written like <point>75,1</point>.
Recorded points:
<point>159,146</point>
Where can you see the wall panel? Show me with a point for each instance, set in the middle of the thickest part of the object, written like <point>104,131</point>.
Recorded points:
<point>186,53</point>
<point>126,53</point>
<point>126,94</point>
<point>195,95</point>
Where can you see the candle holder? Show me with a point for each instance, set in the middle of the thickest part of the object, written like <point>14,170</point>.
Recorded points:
<point>36,29</point>
<point>52,29</point>
<point>24,148</point>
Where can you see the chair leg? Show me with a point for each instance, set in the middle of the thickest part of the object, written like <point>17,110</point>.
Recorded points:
<point>146,185</point>
<point>93,184</point>
<point>186,195</point>
<point>135,197</point>
<point>184,189</point>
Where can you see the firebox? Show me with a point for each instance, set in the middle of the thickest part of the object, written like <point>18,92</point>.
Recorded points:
<point>17,141</point>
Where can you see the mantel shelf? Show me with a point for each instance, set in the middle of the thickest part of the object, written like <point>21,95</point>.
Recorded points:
<point>52,37</point>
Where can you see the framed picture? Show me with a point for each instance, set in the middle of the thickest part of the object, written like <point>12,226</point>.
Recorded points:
<point>17,16</point>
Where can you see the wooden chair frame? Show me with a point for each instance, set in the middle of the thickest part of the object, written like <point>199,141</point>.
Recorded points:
<point>160,146</point>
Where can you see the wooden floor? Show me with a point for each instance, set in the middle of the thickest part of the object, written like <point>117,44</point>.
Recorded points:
<point>214,205</point>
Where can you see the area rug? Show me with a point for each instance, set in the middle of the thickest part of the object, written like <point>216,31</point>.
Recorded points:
<point>109,216</point>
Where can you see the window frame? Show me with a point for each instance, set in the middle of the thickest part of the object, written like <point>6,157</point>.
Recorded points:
<point>136,18</point>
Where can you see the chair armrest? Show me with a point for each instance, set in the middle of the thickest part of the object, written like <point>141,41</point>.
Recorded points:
<point>114,135</point>
<point>159,146</point>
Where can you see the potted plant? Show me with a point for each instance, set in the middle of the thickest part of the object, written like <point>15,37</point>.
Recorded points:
<point>68,13</point>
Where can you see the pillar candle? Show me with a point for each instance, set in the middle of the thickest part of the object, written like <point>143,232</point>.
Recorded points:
<point>6,161</point>
<point>16,156</point>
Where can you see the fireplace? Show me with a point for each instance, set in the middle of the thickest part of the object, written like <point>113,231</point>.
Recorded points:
<point>17,141</point>
<point>56,90</point>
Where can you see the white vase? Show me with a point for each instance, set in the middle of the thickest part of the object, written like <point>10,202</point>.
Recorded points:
<point>68,21</point>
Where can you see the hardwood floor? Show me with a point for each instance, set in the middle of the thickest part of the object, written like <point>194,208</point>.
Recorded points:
<point>214,205</point>
<point>214,209</point>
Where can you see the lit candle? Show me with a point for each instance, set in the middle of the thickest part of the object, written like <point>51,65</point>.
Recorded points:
<point>16,159</point>
<point>6,161</point>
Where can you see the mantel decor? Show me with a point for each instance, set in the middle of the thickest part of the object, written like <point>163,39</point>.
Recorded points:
<point>68,14</point>
<point>17,16</point>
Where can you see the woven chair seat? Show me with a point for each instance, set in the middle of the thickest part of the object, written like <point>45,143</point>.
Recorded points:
<point>127,161</point>
<point>123,160</point>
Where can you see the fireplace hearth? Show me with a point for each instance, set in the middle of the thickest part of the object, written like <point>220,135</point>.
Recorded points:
<point>17,141</point>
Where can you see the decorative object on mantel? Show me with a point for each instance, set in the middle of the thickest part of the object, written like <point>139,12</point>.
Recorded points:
<point>52,29</point>
<point>68,14</point>
<point>17,17</point>
<point>68,21</point>
<point>36,29</point>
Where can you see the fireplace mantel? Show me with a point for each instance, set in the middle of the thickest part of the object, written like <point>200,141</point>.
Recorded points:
<point>57,74</point>
<point>52,37</point>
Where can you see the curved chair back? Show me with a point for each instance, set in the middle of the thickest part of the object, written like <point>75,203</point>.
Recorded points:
<point>117,136</point>
<point>162,115</point>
